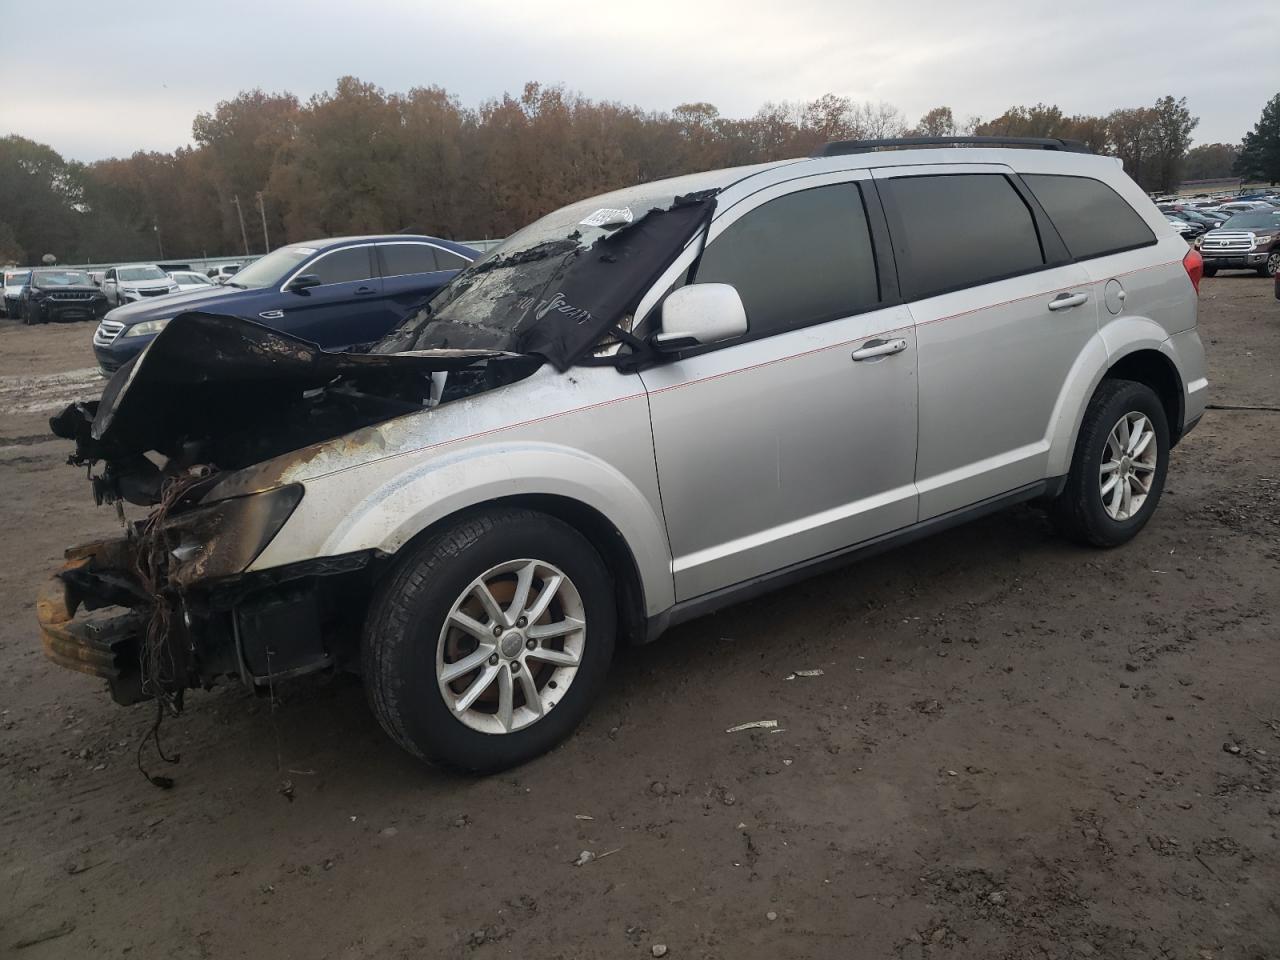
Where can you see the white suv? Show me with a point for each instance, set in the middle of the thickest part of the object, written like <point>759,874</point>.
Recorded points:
<point>640,408</point>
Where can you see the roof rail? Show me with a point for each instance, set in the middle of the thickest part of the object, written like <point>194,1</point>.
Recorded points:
<point>838,148</point>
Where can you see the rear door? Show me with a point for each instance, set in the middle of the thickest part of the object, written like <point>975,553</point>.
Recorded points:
<point>412,271</point>
<point>799,439</point>
<point>1001,314</point>
<point>346,308</point>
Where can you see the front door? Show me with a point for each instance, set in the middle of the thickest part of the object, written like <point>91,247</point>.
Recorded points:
<point>346,308</point>
<point>799,439</point>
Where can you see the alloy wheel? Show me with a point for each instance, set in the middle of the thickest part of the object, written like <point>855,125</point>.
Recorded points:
<point>510,646</point>
<point>1128,466</point>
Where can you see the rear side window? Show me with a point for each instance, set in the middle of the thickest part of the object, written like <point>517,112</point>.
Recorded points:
<point>803,258</point>
<point>1092,219</point>
<point>960,230</point>
<point>399,259</point>
<point>342,266</point>
<point>450,261</point>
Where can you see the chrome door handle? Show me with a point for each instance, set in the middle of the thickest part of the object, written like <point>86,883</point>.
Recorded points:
<point>1064,301</point>
<point>879,348</point>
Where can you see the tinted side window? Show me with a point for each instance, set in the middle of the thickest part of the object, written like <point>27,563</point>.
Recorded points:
<point>960,230</point>
<point>342,266</point>
<point>399,259</point>
<point>801,259</point>
<point>450,261</point>
<point>1091,218</point>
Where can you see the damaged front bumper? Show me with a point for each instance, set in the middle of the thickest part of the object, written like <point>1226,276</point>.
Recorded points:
<point>98,643</point>
<point>97,618</point>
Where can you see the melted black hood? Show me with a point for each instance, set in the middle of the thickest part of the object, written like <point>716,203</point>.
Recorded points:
<point>563,298</point>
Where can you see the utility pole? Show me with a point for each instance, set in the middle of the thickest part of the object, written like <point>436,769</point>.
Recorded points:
<point>155,225</point>
<point>266,241</point>
<point>240,213</point>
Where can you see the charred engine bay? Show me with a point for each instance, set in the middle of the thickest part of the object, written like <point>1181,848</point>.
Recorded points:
<point>212,394</point>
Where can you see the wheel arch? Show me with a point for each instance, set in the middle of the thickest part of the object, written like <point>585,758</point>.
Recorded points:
<point>600,532</point>
<point>1155,370</point>
<point>1129,348</point>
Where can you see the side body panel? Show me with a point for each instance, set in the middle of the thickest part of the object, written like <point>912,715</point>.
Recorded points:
<point>583,435</point>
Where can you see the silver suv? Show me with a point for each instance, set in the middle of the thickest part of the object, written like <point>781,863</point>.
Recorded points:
<point>639,409</point>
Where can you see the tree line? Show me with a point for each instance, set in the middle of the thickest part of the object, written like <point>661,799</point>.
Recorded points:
<point>267,169</point>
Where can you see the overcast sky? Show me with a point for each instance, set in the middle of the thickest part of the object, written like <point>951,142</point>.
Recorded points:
<point>94,81</point>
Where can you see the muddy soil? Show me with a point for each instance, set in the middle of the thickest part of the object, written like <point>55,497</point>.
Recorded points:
<point>1016,748</point>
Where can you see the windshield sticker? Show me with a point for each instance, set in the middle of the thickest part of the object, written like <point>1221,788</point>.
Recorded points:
<point>607,217</point>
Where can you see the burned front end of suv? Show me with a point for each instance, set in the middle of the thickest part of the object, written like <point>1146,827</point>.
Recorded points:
<point>182,431</point>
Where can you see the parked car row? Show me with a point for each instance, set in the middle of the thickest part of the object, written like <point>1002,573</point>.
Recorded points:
<point>1237,233</point>
<point>338,293</point>
<point>335,293</point>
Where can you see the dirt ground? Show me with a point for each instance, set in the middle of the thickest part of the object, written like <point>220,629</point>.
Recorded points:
<point>1017,748</point>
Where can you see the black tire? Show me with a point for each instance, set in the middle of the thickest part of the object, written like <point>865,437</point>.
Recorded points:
<point>1210,271</point>
<point>1272,266</point>
<point>410,606</point>
<point>29,316</point>
<point>1078,512</point>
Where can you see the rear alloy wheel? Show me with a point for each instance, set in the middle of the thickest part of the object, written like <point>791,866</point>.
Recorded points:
<point>1118,468</point>
<point>1128,466</point>
<point>489,641</point>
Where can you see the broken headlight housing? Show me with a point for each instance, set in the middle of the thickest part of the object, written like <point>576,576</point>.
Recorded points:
<point>224,538</point>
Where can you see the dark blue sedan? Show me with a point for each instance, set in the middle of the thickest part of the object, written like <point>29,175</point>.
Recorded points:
<point>337,293</point>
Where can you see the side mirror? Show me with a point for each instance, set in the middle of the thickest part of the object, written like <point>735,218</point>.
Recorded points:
<point>303,282</point>
<point>699,314</point>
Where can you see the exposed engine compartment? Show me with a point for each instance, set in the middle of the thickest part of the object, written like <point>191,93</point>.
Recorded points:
<point>213,394</point>
<point>168,606</point>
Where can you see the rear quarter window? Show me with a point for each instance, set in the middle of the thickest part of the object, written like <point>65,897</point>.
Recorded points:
<point>1092,219</point>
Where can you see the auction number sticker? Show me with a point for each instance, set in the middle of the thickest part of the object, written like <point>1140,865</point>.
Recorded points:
<point>606,216</point>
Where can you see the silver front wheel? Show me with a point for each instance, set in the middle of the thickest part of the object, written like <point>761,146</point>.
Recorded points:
<point>510,646</point>
<point>1128,466</point>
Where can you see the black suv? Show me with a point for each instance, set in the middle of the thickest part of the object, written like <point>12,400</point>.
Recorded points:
<point>55,295</point>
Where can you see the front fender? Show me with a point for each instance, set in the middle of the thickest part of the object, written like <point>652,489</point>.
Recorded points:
<point>402,500</point>
<point>1120,337</point>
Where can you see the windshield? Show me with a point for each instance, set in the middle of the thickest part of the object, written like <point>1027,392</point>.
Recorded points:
<point>142,273</point>
<point>271,269</point>
<point>1264,219</point>
<point>513,285</point>
<point>62,278</point>
<point>16,279</point>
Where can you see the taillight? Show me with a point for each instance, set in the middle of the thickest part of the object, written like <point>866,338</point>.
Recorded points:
<point>1194,264</point>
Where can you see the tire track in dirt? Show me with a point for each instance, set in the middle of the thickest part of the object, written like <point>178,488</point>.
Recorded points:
<point>24,393</point>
